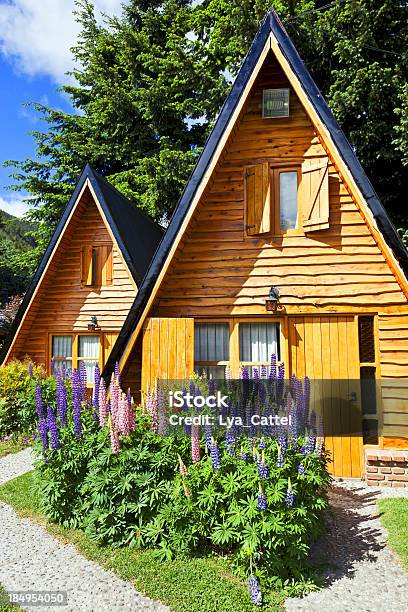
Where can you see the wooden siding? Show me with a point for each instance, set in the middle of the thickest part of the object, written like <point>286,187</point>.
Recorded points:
<point>168,351</point>
<point>219,271</point>
<point>61,304</point>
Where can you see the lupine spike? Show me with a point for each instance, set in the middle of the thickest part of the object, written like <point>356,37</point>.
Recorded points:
<point>97,384</point>
<point>290,496</point>
<point>52,428</point>
<point>256,596</point>
<point>38,402</point>
<point>215,456</point>
<point>43,433</point>
<point>195,443</point>
<point>77,400</point>
<point>261,499</point>
<point>103,408</point>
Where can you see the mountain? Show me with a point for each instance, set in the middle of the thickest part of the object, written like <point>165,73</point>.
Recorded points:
<point>14,243</point>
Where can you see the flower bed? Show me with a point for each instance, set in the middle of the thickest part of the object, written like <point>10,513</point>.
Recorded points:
<point>257,501</point>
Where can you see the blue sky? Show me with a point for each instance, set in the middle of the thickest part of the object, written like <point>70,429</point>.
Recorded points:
<point>35,38</point>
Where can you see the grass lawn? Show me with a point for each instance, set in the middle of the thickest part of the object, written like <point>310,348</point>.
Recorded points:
<point>4,602</point>
<point>190,585</point>
<point>14,445</point>
<point>394,517</point>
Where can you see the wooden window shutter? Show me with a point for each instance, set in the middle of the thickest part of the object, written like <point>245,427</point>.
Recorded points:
<point>257,199</point>
<point>106,265</point>
<point>86,265</point>
<point>315,194</point>
<point>167,351</point>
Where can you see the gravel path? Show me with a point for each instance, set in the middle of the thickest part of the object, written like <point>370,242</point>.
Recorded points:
<point>364,575</point>
<point>32,560</point>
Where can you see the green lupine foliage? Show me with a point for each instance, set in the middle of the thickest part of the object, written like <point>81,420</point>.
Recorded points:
<point>138,498</point>
<point>149,84</point>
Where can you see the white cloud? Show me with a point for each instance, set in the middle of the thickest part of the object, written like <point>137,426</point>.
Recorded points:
<point>36,35</point>
<point>14,206</point>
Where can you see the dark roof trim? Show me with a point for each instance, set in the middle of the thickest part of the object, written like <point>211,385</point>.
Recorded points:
<point>94,178</point>
<point>270,24</point>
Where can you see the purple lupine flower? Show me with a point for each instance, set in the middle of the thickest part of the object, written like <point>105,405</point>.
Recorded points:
<point>262,443</point>
<point>77,400</point>
<point>52,428</point>
<point>131,414</point>
<point>290,496</point>
<point>103,407</point>
<point>82,379</point>
<point>97,384</point>
<point>301,468</point>
<point>114,440</point>
<point>272,369</point>
<point>242,455</point>
<point>255,373</point>
<point>256,596</point>
<point>117,371</point>
<point>151,406</point>
<point>43,433</point>
<point>263,469</point>
<point>264,372</point>
<point>61,400</point>
<point>280,383</point>
<point>195,443</point>
<point>306,407</point>
<point>208,436</point>
<point>215,456</point>
<point>230,443</point>
<point>39,402</point>
<point>282,447</point>
<point>261,499</point>
<point>30,370</point>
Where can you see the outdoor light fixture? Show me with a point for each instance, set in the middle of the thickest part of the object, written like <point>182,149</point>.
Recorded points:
<point>93,324</point>
<point>272,301</point>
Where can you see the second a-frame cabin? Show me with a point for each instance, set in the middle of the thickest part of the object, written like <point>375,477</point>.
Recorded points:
<point>86,282</point>
<point>278,205</point>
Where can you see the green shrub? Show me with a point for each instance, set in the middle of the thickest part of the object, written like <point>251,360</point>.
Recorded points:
<point>139,498</point>
<point>17,396</point>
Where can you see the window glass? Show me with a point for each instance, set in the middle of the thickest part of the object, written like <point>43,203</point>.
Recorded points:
<point>62,346</point>
<point>211,342</point>
<point>88,354</point>
<point>258,342</point>
<point>288,198</point>
<point>211,346</point>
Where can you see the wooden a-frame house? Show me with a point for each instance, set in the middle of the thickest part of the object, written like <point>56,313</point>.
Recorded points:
<point>87,280</point>
<point>278,203</point>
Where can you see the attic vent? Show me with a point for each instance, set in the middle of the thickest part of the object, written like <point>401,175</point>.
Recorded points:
<point>275,103</point>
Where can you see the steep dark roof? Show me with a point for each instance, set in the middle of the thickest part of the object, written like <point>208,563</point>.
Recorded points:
<point>270,24</point>
<point>136,234</point>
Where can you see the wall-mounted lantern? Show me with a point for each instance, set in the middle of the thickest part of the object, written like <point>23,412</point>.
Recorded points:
<point>272,301</point>
<point>93,324</point>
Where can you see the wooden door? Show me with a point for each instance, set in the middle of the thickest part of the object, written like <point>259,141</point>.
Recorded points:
<point>167,351</point>
<point>326,350</point>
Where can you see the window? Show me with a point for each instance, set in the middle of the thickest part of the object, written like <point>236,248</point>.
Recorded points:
<point>211,349</point>
<point>275,103</point>
<point>257,343</point>
<point>68,352</point>
<point>96,266</point>
<point>368,384</point>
